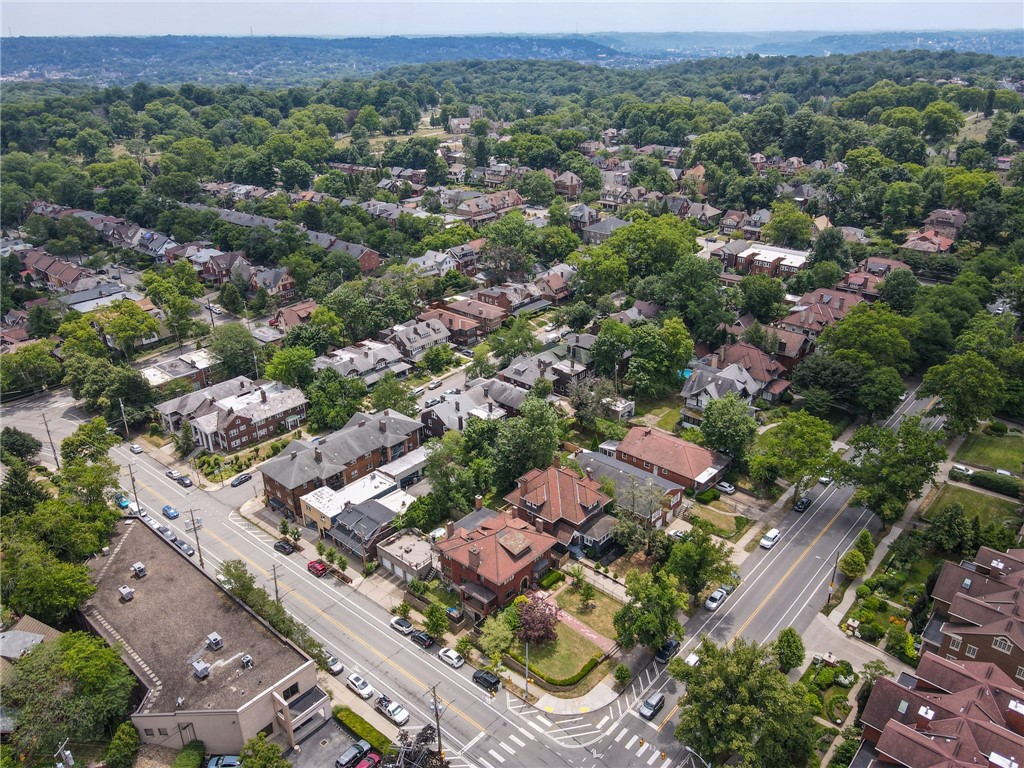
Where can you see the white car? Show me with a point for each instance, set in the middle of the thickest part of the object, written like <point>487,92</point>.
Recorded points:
<point>135,448</point>
<point>402,626</point>
<point>715,599</point>
<point>396,713</point>
<point>824,479</point>
<point>967,471</point>
<point>448,656</point>
<point>334,666</point>
<point>771,538</point>
<point>677,535</point>
<point>724,487</point>
<point>362,688</point>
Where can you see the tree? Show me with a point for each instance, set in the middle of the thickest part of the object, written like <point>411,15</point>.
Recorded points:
<point>526,442</point>
<point>762,297</point>
<point>260,753</point>
<point>649,616</point>
<point>435,621</point>
<point>292,366</point>
<point>20,492</point>
<point>797,448</point>
<point>42,322</point>
<point>699,560</point>
<point>513,340</point>
<point>231,298</point>
<point>853,564</point>
<point>789,226</point>
<point>126,323</point>
<point>481,366</point>
<point>865,544</point>
<point>236,348</point>
<point>789,649</point>
<point>875,331</point>
<point>739,703</point>
<point>390,393</point>
<point>438,358</point>
<point>19,444</point>
<point>969,388</point>
<point>880,392</point>
<point>901,206</point>
<point>123,747</point>
<point>536,188</point>
<point>296,174</point>
<point>941,120</point>
<point>899,290</point>
<point>587,592</point>
<point>537,621</point>
<point>496,637</point>
<point>90,441</point>
<point>558,213</point>
<point>950,531</point>
<point>333,399</point>
<point>831,246</point>
<point>30,368</point>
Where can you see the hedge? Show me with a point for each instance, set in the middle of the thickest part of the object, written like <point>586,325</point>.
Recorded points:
<point>565,682</point>
<point>191,756</point>
<point>551,578</point>
<point>1008,486</point>
<point>362,729</point>
<point>706,497</point>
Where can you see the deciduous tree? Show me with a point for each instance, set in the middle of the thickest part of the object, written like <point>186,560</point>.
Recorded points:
<point>728,427</point>
<point>649,616</point>
<point>969,388</point>
<point>798,448</point>
<point>789,649</point>
<point>699,560</point>
<point>537,621</point>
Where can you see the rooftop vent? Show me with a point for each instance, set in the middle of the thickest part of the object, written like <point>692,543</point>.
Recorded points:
<point>248,662</point>
<point>214,641</point>
<point>201,669</point>
<point>966,584</point>
<point>105,551</point>
<point>127,593</point>
<point>139,569</point>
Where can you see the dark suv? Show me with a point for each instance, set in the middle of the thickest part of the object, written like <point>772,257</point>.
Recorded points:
<point>283,547</point>
<point>668,650</point>
<point>802,504</point>
<point>488,680</point>
<point>422,639</point>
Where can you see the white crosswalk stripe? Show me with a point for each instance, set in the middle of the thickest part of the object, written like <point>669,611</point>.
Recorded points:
<point>622,733</point>
<point>496,756</point>
<point>506,747</point>
<point>632,741</point>
<point>654,756</point>
<point>643,749</point>
<point>520,742</point>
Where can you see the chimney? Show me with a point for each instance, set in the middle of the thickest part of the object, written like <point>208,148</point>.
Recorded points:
<point>474,558</point>
<point>538,523</point>
<point>362,423</point>
<point>714,360</point>
<point>449,529</point>
<point>557,461</point>
<point>842,301</point>
<point>590,473</point>
<point>318,455</point>
<point>263,395</point>
<point>293,455</point>
<point>490,407</point>
<point>382,425</point>
<point>1015,716</point>
<point>478,503</point>
<point>924,718</point>
<point>460,421</point>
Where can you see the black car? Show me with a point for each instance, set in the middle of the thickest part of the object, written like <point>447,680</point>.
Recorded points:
<point>652,706</point>
<point>487,680</point>
<point>802,505</point>
<point>422,639</point>
<point>184,481</point>
<point>668,650</point>
<point>283,547</point>
<point>240,480</point>
<point>185,547</point>
<point>352,755</point>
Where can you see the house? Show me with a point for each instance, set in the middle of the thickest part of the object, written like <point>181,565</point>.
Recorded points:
<point>731,221</point>
<point>765,369</point>
<point>946,713</point>
<point>497,175</point>
<point>453,412</point>
<point>555,284</point>
<point>707,383</point>
<point>365,443</point>
<point>582,216</point>
<point>671,458</point>
<point>56,273</point>
<point>854,235</point>
<point>467,255</point>
<point>457,173</point>
<point>489,316</point>
<point>791,166</point>
<point>368,360</point>
<point>197,368</point>
<point>696,175</point>
<point>599,232</point>
<point>870,273</point>
<point>568,184</point>
<point>276,282</point>
<point>494,562</point>
<point>367,258</point>
<point>818,225</point>
<point>928,242</point>
<point>771,260</point>
<point>559,502</point>
<point>650,498</point>
<point>503,394</point>
<point>408,554</point>
<point>705,215</point>
<point>641,310</point>
<point>462,331</point>
<point>103,295</point>
<point>514,298</point>
<point>946,222</point>
<point>564,365</point>
<point>208,668</point>
<point>287,318</point>
<point>433,263</point>
<point>16,318</point>
<point>755,223</point>
<point>356,516</point>
<point>415,339</point>
<point>217,268</point>
<point>817,310</point>
<point>486,208</point>
<point>458,125</point>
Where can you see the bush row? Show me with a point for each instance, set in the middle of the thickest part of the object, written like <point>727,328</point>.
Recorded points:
<point>551,578</point>
<point>585,670</point>
<point>1008,486</point>
<point>191,756</point>
<point>362,729</point>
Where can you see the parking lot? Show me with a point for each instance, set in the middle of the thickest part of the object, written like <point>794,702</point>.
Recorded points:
<point>321,747</point>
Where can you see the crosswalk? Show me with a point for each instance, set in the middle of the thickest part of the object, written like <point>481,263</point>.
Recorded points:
<point>493,752</point>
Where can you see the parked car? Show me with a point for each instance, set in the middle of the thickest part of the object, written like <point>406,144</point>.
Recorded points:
<point>170,512</point>
<point>434,384</point>
<point>185,547</point>
<point>487,680</point>
<point>362,688</point>
<point>135,448</point>
<point>403,626</point>
<point>667,651</point>
<point>317,567</point>
<point>243,478</point>
<point>1004,473</point>
<point>184,481</point>
<point>353,754</point>
<point>392,710</point>
<point>122,501</point>
<point>802,504</point>
<point>726,488</point>
<point>825,479</point>
<point>422,639</point>
<point>224,761</point>
<point>963,470</point>
<point>173,474</point>
<point>417,392</point>
<point>431,402</point>
<point>771,538</point>
<point>652,706</point>
<point>334,666</point>
<point>284,547</point>
<point>449,392</point>
<point>450,657</point>
<point>372,760</point>
<point>678,535</point>
<point>116,275</point>
<point>715,599</point>
<point>214,308</point>
<point>167,533</point>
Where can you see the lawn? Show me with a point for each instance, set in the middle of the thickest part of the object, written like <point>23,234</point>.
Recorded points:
<point>663,413</point>
<point>562,658</point>
<point>1006,452</point>
<point>725,522</point>
<point>438,594</point>
<point>598,618</point>
<point>989,509</point>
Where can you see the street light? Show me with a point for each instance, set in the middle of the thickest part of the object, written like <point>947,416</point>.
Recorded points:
<point>692,753</point>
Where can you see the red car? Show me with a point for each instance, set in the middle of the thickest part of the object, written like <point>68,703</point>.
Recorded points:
<point>372,760</point>
<point>317,568</point>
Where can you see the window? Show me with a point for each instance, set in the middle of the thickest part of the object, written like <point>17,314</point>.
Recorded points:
<point>148,731</point>
<point>235,443</point>
<point>291,690</point>
<point>233,432</point>
<point>1002,644</point>
<point>647,465</point>
<point>1020,673</point>
<point>162,731</point>
<point>954,644</point>
<point>971,652</point>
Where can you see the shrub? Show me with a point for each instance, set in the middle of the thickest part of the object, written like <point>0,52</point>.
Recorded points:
<point>844,668</point>
<point>893,581</point>
<point>403,609</point>
<point>1008,486</point>
<point>871,632</point>
<point>622,674</point>
<point>863,591</point>
<point>123,747</point>
<point>825,678</point>
<point>417,587</point>
<point>997,428</point>
<point>191,756</point>
<point>706,497</point>
<point>154,430</point>
<point>362,729</point>
<point>872,603</point>
<point>844,754</point>
<point>551,578</point>
<point>370,567</point>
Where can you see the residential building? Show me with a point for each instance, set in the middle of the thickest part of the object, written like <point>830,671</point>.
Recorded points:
<point>946,222</point>
<point>651,498</point>
<point>455,411</point>
<point>287,318</point>
<point>599,232</point>
<point>706,216</point>
<point>568,184</point>
<point>462,331</point>
<point>755,223</point>
<point>582,216</point>
<point>761,259</point>
<point>513,298</point>
<point>485,208</point>
<point>408,554</point>
<point>732,221</point>
<point>218,268</point>
<point>209,669</point>
<point>929,241</point>
<point>467,255</point>
<point>277,283</point>
<point>564,365</point>
<point>489,316</point>
<point>56,273</point>
<point>559,502</point>
<point>103,295</point>
<point>365,443</point>
<point>458,125</point>
<point>433,263</point>
<point>494,562</point>
<point>818,309</point>
<point>762,368</point>
<point>368,360</point>
<point>555,284</point>
<point>641,310</point>
<point>503,394</point>
<point>413,340</point>
<point>706,384</point>
<point>197,368</point>
<point>864,281</point>
<point>671,458</point>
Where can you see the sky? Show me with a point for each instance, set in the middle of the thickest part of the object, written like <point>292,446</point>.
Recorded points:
<point>344,18</point>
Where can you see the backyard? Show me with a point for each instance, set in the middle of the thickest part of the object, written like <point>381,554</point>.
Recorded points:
<point>727,525</point>
<point>563,658</point>
<point>599,617</point>
<point>989,509</point>
<point>663,413</point>
<point>993,451</point>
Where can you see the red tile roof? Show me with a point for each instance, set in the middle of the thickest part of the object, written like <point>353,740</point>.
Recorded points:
<point>556,494</point>
<point>663,449</point>
<point>503,544</point>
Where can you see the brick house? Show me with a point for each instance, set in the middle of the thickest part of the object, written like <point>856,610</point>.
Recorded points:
<point>361,446</point>
<point>462,331</point>
<point>631,486</point>
<point>946,222</point>
<point>818,309</point>
<point>480,210</point>
<point>582,216</point>
<point>600,231</point>
<point>368,360</point>
<point>568,184</point>
<point>276,282</point>
<point>929,241</point>
<point>489,316</point>
<point>494,562</point>
<point>245,418</point>
<point>414,340</point>
<point>287,318</point>
<point>671,458</point>
<point>56,273</point>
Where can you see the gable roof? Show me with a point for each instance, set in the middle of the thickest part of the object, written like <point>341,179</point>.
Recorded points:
<point>663,449</point>
<point>503,544</point>
<point>558,493</point>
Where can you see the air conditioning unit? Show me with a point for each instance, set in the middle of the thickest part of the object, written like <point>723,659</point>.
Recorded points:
<point>214,642</point>
<point>248,661</point>
<point>201,669</point>
<point>139,569</point>
<point>127,593</point>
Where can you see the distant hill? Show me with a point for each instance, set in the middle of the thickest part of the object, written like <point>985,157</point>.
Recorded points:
<point>275,61</point>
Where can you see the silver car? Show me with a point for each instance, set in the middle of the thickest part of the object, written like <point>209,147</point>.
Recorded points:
<point>715,599</point>
<point>362,688</point>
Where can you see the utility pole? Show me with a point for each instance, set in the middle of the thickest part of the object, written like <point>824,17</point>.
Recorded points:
<point>277,595</point>
<point>123,418</point>
<point>63,756</point>
<point>256,363</point>
<point>209,306</point>
<point>56,459</point>
<point>526,691</point>
<point>436,703</point>
<point>135,492</point>
<point>832,582</point>
<point>195,532</point>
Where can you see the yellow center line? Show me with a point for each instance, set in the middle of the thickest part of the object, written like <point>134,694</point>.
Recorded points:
<point>321,612</point>
<point>668,717</point>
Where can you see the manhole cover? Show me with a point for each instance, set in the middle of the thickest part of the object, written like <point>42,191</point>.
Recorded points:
<point>324,742</point>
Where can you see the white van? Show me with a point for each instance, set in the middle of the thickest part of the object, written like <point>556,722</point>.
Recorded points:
<point>135,509</point>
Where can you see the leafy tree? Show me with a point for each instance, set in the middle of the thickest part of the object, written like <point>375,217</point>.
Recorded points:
<point>481,366</point>
<point>292,366</point>
<point>950,531</point>
<point>865,544</point>
<point>789,649</point>
<point>739,703</point>
<point>127,324</point>
<point>876,332</point>
<point>902,205</point>
<point>526,442</point>
<point>853,564</point>
<point>261,753</point>
<point>37,583</point>
<point>969,388</point>
<point>81,338</point>
<point>296,174</point>
<point>649,616</point>
<point>438,358</point>
<point>880,392</point>
<point>587,592</point>
<point>19,444</point>
<point>30,368</point>
<point>600,271</point>
<point>899,290</point>
<point>42,322</point>
<point>394,394</point>
<point>650,246</point>
<point>789,226</point>
<point>513,340</point>
<point>577,316</point>
<point>90,441</point>
<point>831,246</point>
<point>20,492</point>
<point>762,297</point>
<point>941,120</point>
<point>108,388</point>
<point>453,484</point>
<point>537,621</point>
<point>797,448</point>
<point>556,244</point>
<point>231,298</point>
<point>558,213</point>
<point>536,188</point>
<point>728,427</point>
<point>496,637</point>
<point>435,620</point>
<point>236,348</point>
<point>699,560</point>
<point>123,747</point>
